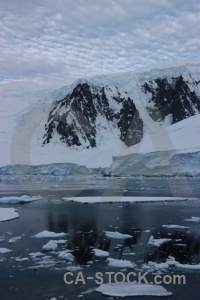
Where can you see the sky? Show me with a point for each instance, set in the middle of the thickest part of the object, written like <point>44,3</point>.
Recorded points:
<point>55,42</point>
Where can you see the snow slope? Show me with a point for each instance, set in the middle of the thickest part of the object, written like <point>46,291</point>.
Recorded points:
<point>182,137</point>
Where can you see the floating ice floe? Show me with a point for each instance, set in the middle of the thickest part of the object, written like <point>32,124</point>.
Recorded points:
<point>157,242</point>
<point>20,199</point>
<point>2,239</point>
<point>100,253</point>
<point>50,246</point>
<point>14,239</point>
<point>117,235</point>
<point>18,259</point>
<point>193,219</point>
<point>7,214</point>
<point>36,254</point>
<point>175,226</point>
<point>155,266</point>
<point>120,263</point>
<point>49,234</point>
<point>128,253</point>
<point>129,199</point>
<point>147,230</point>
<point>170,262</point>
<point>5,250</point>
<point>74,268</point>
<point>66,254</point>
<point>45,262</point>
<point>188,266</point>
<point>60,241</point>
<point>127,289</point>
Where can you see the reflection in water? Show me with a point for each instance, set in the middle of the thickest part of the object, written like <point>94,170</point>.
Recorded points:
<point>85,230</point>
<point>126,245</point>
<point>184,247</point>
<point>57,223</point>
<point>82,241</point>
<point>85,237</point>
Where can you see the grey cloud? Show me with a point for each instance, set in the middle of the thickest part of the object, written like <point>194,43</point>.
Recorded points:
<point>58,41</point>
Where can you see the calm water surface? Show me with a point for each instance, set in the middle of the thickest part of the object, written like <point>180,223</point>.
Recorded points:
<point>85,224</point>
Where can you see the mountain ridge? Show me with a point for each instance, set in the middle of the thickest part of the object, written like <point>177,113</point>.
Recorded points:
<point>22,132</point>
<point>132,108</point>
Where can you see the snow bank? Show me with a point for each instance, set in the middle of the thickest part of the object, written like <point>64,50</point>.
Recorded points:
<point>100,253</point>
<point>49,234</point>
<point>7,214</point>
<point>130,199</point>
<point>126,289</point>
<point>120,263</point>
<point>21,199</point>
<point>117,235</point>
<point>157,242</point>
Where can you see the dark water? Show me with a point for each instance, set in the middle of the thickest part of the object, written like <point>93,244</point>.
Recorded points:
<point>85,226</point>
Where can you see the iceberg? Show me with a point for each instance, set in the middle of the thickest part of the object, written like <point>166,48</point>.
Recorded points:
<point>100,253</point>
<point>50,246</point>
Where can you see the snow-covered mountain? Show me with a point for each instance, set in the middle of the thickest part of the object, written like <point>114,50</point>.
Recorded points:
<point>131,108</point>
<point>95,119</point>
<point>81,118</point>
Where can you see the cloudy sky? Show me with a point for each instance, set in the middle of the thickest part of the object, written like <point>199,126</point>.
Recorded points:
<point>60,41</point>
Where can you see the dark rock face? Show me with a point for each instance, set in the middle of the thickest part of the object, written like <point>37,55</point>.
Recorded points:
<point>172,96</point>
<point>130,123</point>
<point>79,118</point>
<point>74,118</point>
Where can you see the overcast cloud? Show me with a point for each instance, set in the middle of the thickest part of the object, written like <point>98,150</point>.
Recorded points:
<point>60,41</point>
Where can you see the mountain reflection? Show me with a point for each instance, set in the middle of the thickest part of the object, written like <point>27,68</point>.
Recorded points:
<point>184,247</point>
<point>86,230</point>
<point>57,223</point>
